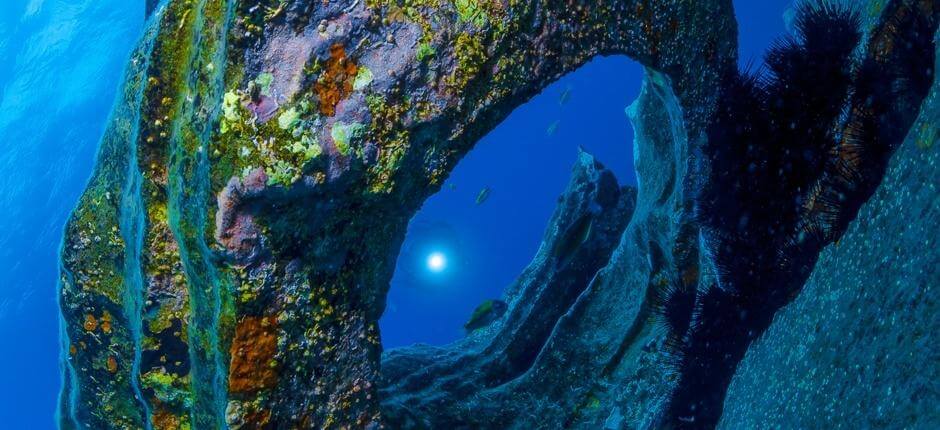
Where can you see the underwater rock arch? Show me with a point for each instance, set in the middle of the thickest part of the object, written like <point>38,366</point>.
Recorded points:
<point>229,260</point>
<point>579,331</point>
<point>305,236</point>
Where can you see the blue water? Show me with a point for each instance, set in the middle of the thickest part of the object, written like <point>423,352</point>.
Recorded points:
<point>62,64</point>
<point>62,61</point>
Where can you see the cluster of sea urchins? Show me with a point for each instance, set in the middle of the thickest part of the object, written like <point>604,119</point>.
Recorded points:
<point>792,153</point>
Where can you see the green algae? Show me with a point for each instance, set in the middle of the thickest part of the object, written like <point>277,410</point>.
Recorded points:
<point>169,389</point>
<point>472,11</point>
<point>363,78</point>
<point>470,55</point>
<point>288,119</point>
<point>388,133</point>
<point>344,135</point>
<point>230,111</point>
<point>282,148</point>
<point>264,82</point>
<point>424,52</point>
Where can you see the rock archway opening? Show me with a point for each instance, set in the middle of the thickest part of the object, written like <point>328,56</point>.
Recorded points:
<point>275,241</point>
<point>476,235</point>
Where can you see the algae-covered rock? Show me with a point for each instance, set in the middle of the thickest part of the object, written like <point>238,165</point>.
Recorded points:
<point>229,260</point>
<point>262,165</point>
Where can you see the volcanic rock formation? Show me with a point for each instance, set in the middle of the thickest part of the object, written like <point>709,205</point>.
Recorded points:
<point>229,260</point>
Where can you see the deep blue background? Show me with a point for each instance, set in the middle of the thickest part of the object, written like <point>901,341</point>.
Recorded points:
<point>60,64</point>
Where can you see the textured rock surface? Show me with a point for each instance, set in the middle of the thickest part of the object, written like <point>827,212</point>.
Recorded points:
<point>259,173</point>
<point>863,331</point>
<point>229,260</point>
<point>792,156</point>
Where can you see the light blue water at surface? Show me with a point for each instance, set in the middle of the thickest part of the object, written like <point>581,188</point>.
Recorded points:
<point>62,61</point>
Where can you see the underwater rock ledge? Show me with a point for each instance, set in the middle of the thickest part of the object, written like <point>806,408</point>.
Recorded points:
<point>228,262</point>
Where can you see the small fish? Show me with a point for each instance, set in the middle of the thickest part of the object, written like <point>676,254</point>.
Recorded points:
<point>565,96</point>
<point>452,186</point>
<point>485,314</point>
<point>484,194</point>
<point>551,128</point>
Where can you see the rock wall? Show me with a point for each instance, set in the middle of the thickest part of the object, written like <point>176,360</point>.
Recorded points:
<point>857,348</point>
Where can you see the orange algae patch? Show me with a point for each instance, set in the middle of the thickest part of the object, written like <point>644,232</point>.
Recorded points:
<point>91,324</point>
<point>106,323</point>
<point>163,419</point>
<point>112,364</point>
<point>336,83</point>
<point>258,419</point>
<point>252,352</point>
